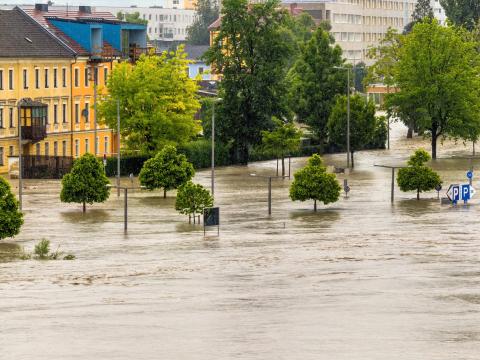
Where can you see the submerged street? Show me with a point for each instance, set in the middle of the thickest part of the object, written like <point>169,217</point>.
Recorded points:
<point>361,279</point>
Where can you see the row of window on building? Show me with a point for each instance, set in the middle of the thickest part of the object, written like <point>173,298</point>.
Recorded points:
<point>367,20</point>
<point>358,37</point>
<point>51,78</point>
<point>171,31</point>
<point>56,152</point>
<point>169,17</point>
<point>388,5</point>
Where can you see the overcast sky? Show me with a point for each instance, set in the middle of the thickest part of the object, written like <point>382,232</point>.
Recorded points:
<point>89,2</point>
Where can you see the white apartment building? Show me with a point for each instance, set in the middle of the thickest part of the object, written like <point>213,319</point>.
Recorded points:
<point>164,24</point>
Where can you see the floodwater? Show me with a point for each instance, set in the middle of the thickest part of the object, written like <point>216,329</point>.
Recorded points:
<point>361,279</point>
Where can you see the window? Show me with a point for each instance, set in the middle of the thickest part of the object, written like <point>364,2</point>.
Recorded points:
<point>37,78</point>
<point>55,148</point>
<point>105,145</point>
<point>86,77</point>
<point>77,147</point>
<point>37,149</point>
<point>55,76</point>
<point>64,77</point>
<point>10,79</point>
<point>1,79</point>
<point>10,150</point>
<point>1,156</point>
<point>87,145</point>
<point>64,148</point>
<point>25,79</point>
<point>47,149</point>
<point>10,116</point>
<point>64,113</point>
<point>46,79</point>
<point>87,111</point>
<point>200,70</point>
<point>77,75</point>
<point>55,114</point>
<point>105,75</point>
<point>77,113</point>
<point>1,118</point>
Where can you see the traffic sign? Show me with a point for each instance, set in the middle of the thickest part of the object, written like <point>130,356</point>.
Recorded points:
<point>470,174</point>
<point>458,192</point>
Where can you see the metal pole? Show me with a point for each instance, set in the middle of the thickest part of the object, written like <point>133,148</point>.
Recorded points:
<point>348,118</point>
<point>289,165</point>
<point>118,147</point>
<point>125,209</point>
<point>20,165</point>
<point>269,196</point>
<point>213,149</point>
<point>388,133</point>
<point>393,184</point>
<point>95,110</point>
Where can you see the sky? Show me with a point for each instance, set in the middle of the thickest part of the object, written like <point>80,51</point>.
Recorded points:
<point>89,2</point>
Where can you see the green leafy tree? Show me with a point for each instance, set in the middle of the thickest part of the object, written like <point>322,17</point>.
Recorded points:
<point>133,18</point>
<point>423,10</point>
<point>314,183</point>
<point>206,13</point>
<point>86,182</point>
<point>158,102</point>
<point>192,199</point>
<point>167,170</point>
<point>283,140</point>
<point>462,12</point>
<point>316,81</point>
<point>11,219</point>
<point>251,55</point>
<point>362,123</point>
<point>438,79</point>
<point>418,177</point>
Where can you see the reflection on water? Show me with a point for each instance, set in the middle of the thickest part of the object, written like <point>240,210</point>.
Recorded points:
<point>10,252</point>
<point>361,279</point>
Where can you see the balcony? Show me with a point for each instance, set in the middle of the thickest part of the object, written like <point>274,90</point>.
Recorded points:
<point>134,52</point>
<point>34,133</point>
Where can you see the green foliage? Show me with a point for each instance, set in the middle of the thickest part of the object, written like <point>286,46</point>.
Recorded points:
<point>315,81</point>
<point>192,199</point>
<point>417,176</point>
<point>158,102</point>
<point>128,165</point>
<point>86,182</point>
<point>133,18</point>
<point>206,13</point>
<point>11,219</point>
<point>42,249</point>
<point>252,55</point>
<point>362,123</point>
<point>438,80</point>
<point>462,12</point>
<point>423,10</point>
<point>379,134</point>
<point>199,153</point>
<point>167,170</point>
<point>314,183</point>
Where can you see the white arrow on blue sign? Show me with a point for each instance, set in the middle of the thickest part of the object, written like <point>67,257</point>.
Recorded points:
<point>458,192</point>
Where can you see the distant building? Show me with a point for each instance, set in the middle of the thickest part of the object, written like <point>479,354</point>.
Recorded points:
<point>198,67</point>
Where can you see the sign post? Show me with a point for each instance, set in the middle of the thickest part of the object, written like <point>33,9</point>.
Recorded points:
<point>457,192</point>
<point>211,217</point>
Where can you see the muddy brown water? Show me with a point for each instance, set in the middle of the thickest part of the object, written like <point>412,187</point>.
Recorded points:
<point>360,279</point>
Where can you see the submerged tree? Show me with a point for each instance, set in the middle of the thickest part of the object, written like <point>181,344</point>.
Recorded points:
<point>167,170</point>
<point>11,219</point>
<point>314,183</point>
<point>192,199</point>
<point>417,176</point>
<point>86,183</point>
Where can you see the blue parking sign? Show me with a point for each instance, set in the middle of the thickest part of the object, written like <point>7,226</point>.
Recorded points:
<point>466,192</point>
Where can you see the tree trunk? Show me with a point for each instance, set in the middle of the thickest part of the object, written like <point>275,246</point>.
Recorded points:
<point>351,157</point>
<point>194,219</point>
<point>84,207</point>
<point>418,194</point>
<point>410,132</point>
<point>283,166</point>
<point>434,146</point>
<point>315,205</point>
<point>164,193</point>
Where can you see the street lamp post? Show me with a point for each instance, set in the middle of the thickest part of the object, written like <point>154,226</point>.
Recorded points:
<point>125,203</point>
<point>348,111</point>
<point>269,182</point>
<point>118,147</point>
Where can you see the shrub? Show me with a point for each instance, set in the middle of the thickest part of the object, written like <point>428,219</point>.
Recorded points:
<point>199,153</point>
<point>192,199</point>
<point>11,219</point>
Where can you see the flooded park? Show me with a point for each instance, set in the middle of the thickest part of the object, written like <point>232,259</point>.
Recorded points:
<point>360,279</point>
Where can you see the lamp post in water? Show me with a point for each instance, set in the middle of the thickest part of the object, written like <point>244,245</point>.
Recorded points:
<point>269,179</point>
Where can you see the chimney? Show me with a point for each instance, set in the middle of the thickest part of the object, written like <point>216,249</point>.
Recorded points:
<point>41,7</point>
<point>85,9</point>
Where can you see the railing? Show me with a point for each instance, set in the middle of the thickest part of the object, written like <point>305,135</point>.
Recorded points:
<point>34,133</point>
<point>45,167</point>
<point>134,52</point>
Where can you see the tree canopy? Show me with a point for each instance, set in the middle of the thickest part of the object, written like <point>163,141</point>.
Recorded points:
<point>86,182</point>
<point>192,199</point>
<point>362,123</point>
<point>158,102</point>
<point>417,176</point>
<point>11,219</point>
<point>437,75</point>
<point>167,170</point>
<point>316,80</point>
<point>423,10</point>
<point>462,12</point>
<point>314,183</point>
<point>206,13</point>
<point>251,55</point>
<point>131,18</point>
